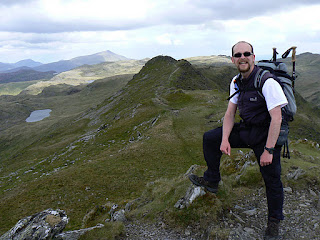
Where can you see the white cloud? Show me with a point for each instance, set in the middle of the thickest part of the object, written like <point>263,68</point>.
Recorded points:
<point>168,39</point>
<point>50,30</point>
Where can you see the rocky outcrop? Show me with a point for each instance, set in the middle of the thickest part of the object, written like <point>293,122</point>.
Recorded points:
<point>192,193</point>
<point>44,225</point>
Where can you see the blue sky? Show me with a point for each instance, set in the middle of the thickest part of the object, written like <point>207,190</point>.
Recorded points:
<point>52,30</point>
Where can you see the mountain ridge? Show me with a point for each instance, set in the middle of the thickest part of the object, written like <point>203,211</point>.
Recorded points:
<point>64,65</point>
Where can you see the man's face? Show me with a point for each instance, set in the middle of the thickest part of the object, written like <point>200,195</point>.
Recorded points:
<point>245,64</point>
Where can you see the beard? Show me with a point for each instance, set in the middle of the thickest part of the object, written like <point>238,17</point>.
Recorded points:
<point>243,69</point>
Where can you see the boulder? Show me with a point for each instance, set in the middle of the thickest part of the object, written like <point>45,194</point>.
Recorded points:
<point>44,225</point>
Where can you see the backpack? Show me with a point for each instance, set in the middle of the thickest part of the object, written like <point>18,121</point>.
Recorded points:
<point>280,73</point>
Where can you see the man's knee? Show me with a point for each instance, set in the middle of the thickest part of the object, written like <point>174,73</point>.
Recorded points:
<point>214,135</point>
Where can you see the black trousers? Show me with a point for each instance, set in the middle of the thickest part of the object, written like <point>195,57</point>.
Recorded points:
<point>244,137</point>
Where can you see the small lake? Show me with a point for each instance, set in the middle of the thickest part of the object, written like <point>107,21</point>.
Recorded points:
<point>38,115</point>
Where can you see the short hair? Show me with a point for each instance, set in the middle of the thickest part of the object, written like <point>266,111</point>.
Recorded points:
<point>242,42</point>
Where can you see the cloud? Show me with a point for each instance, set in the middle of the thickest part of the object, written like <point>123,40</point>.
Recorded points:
<point>168,39</point>
<point>15,2</point>
<point>47,30</point>
<point>52,16</point>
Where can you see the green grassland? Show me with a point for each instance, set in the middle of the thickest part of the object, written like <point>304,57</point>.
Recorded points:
<point>15,88</point>
<point>125,138</point>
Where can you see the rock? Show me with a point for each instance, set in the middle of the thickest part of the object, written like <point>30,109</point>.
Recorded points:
<point>295,174</point>
<point>238,217</point>
<point>192,193</point>
<point>130,204</point>
<point>44,225</point>
<point>75,235</point>
<point>318,205</point>
<point>251,212</point>
<point>287,189</point>
<point>113,209</point>
<point>119,216</point>
<point>249,230</point>
<point>240,234</point>
<point>313,193</point>
<point>192,169</point>
<point>244,168</point>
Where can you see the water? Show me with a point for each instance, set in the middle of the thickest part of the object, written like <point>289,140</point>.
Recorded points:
<point>38,115</point>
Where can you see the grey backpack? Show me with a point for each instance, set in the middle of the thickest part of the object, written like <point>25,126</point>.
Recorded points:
<point>279,72</point>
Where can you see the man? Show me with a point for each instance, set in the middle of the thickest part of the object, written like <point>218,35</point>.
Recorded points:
<point>258,130</point>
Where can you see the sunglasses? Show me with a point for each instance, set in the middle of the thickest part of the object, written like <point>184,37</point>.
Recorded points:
<point>246,54</point>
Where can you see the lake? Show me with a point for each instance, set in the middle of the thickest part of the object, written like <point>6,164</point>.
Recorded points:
<point>38,115</point>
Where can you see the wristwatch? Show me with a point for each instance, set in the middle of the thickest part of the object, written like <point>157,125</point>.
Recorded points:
<point>270,150</point>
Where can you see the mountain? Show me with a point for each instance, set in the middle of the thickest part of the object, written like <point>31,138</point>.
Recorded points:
<point>128,140</point>
<point>24,75</point>
<point>106,56</point>
<point>5,66</point>
<point>65,65</point>
<point>27,63</point>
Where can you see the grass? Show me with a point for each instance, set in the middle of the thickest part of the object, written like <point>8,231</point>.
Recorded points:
<point>14,88</point>
<point>110,231</point>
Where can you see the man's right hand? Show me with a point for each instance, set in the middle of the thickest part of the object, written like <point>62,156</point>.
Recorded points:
<point>225,147</point>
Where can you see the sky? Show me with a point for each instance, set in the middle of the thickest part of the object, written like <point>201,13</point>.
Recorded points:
<point>53,30</point>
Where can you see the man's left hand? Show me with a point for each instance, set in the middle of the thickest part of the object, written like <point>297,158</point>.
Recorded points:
<point>266,159</point>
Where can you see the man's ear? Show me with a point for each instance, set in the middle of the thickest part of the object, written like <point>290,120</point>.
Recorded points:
<point>232,59</point>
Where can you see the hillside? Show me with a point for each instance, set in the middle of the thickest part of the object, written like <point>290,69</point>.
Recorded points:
<point>308,77</point>
<point>88,73</point>
<point>130,139</point>
<point>219,60</point>
<point>24,76</point>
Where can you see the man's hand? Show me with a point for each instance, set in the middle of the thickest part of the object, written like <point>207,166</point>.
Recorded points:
<point>225,147</point>
<point>266,158</point>
<point>273,134</point>
<point>228,122</point>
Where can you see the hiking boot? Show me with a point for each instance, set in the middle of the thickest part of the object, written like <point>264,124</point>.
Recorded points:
<point>199,181</point>
<point>272,231</point>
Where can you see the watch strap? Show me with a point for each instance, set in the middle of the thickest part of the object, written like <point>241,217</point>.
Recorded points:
<point>270,150</point>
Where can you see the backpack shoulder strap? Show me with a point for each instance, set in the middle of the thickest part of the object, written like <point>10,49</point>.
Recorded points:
<point>260,78</point>
<point>236,86</point>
